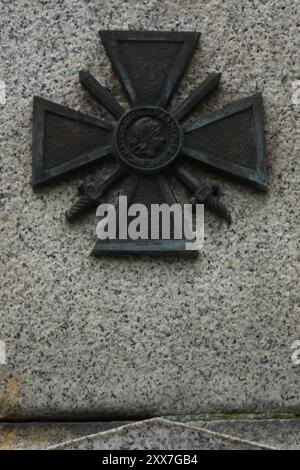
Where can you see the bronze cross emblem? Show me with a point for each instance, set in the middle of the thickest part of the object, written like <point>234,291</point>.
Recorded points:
<point>149,142</point>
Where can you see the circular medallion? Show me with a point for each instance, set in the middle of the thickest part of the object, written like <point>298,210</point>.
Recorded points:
<point>147,139</point>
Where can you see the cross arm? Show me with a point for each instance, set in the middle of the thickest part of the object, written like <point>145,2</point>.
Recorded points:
<point>65,140</point>
<point>231,140</point>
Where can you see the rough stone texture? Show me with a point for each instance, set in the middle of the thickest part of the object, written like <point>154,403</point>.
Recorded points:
<point>156,434</point>
<point>282,434</point>
<point>139,336</point>
<point>277,433</point>
<point>23,436</point>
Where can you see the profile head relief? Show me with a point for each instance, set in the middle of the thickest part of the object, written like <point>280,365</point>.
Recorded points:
<point>146,137</point>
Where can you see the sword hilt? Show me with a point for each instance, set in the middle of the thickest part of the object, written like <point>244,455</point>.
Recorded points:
<point>84,203</point>
<point>91,195</point>
<point>215,205</point>
<point>208,195</point>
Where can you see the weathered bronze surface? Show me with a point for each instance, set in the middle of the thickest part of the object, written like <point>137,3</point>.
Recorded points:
<point>148,142</point>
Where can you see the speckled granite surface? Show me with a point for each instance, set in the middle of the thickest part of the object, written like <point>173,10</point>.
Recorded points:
<point>282,434</point>
<point>122,337</point>
<point>155,434</point>
<point>26,435</point>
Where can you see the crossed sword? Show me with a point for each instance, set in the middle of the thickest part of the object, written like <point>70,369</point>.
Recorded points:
<point>90,194</point>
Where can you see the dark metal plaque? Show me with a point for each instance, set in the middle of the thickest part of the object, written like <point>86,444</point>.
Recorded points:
<point>149,64</point>
<point>147,141</point>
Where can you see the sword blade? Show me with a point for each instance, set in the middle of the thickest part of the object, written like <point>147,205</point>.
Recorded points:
<point>206,87</point>
<point>101,94</point>
<point>186,177</point>
<point>107,182</point>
